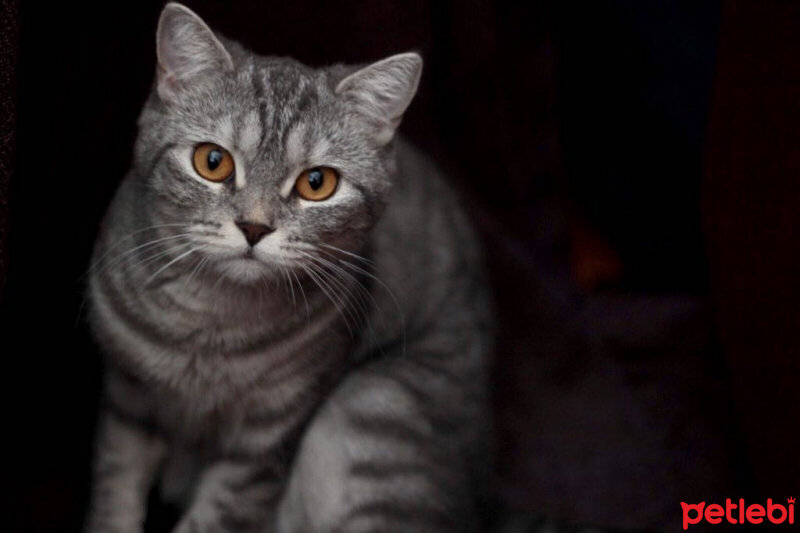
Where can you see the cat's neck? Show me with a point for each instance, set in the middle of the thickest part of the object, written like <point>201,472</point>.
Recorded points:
<point>220,299</point>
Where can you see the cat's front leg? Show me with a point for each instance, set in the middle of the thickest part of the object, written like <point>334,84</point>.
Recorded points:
<point>238,492</point>
<point>126,459</point>
<point>389,451</point>
<point>234,495</point>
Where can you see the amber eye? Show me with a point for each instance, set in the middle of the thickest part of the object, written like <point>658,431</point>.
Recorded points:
<point>317,183</point>
<point>213,162</point>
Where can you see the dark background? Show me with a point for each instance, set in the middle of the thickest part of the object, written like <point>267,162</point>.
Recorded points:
<point>632,166</point>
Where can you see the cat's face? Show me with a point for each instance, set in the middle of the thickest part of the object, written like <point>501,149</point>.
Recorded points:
<point>264,159</point>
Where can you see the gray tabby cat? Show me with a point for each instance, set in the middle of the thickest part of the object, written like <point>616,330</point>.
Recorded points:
<point>290,305</point>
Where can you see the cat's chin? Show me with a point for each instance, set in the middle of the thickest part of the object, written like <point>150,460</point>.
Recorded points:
<point>246,270</point>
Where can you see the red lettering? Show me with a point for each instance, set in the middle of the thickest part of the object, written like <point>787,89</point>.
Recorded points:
<point>729,508</point>
<point>771,508</point>
<point>755,514</point>
<point>698,508</point>
<point>714,513</point>
<point>776,513</point>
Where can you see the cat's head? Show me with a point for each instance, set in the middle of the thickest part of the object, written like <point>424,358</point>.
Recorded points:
<point>264,158</point>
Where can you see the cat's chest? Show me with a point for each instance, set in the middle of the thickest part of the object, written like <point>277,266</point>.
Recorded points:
<point>213,428</point>
<point>194,420</point>
<point>211,355</point>
<point>214,392</point>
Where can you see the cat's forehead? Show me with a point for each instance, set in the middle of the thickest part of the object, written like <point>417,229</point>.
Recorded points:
<point>284,92</point>
<point>283,80</point>
<point>266,100</point>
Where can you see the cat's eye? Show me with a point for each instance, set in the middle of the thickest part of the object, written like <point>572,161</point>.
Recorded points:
<point>317,184</point>
<point>213,162</point>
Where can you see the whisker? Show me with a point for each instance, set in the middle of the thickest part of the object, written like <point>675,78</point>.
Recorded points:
<point>116,260</point>
<point>220,279</point>
<point>356,281</point>
<point>283,280</point>
<point>359,311</point>
<point>287,284</point>
<point>309,269</point>
<point>323,283</point>
<point>196,270</point>
<point>377,280</point>
<point>348,284</point>
<point>157,255</point>
<point>363,296</point>
<point>163,268</point>
<point>291,286</point>
<point>351,254</point>
<point>122,239</point>
<point>303,292</point>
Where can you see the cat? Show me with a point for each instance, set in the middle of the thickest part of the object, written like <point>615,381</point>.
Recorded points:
<point>290,304</point>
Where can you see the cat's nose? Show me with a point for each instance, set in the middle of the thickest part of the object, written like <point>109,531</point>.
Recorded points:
<point>254,232</point>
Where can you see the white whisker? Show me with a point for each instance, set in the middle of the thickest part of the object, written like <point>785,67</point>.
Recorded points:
<point>364,272</point>
<point>310,270</point>
<point>151,258</point>
<point>348,284</point>
<point>122,239</point>
<point>303,292</point>
<point>196,270</point>
<point>121,258</point>
<point>351,254</point>
<point>163,268</point>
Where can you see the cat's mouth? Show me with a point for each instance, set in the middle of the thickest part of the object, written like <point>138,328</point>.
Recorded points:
<point>251,257</point>
<point>250,265</point>
<point>246,267</point>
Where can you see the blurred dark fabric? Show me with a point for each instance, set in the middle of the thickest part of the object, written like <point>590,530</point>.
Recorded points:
<point>576,132</point>
<point>9,35</point>
<point>752,221</point>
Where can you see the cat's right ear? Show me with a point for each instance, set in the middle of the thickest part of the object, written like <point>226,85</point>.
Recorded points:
<point>187,50</point>
<point>382,91</point>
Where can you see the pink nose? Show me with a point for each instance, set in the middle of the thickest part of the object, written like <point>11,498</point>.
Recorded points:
<point>254,232</point>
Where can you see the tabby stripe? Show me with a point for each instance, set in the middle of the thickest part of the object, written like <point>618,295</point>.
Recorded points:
<point>124,415</point>
<point>211,223</point>
<point>399,512</point>
<point>259,441</point>
<point>258,88</point>
<point>128,316</point>
<point>159,155</point>
<point>389,470</point>
<point>390,429</point>
<point>369,201</point>
<point>159,336</point>
<point>302,402</point>
<point>266,475</point>
<point>431,365</point>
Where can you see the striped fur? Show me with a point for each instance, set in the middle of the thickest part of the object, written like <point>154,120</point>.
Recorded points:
<point>333,377</point>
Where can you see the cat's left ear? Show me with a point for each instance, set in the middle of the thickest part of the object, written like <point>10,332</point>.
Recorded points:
<point>383,90</point>
<point>188,51</point>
